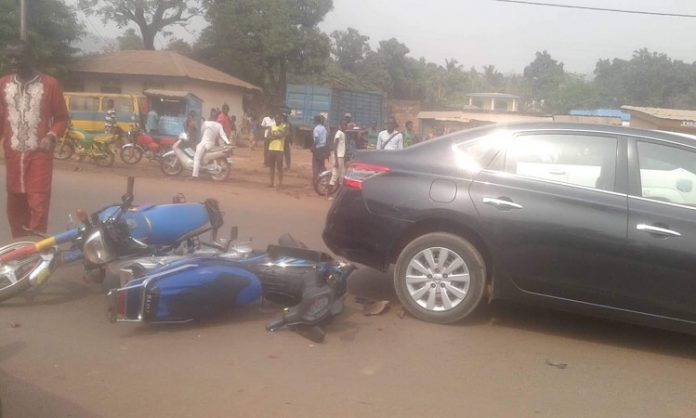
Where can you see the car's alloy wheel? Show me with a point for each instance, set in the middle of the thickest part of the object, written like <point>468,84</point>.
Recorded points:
<point>440,277</point>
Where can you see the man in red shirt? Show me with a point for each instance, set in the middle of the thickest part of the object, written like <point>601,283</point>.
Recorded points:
<point>32,116</point>
<point>224,120</point>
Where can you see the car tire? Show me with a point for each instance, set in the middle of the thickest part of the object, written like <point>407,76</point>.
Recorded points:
<point>440,277</point>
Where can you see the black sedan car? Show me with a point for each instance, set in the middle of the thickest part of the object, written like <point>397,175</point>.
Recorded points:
<point>595,219</point>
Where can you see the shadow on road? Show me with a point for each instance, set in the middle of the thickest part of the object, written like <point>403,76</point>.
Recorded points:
<point>22,399</point>
<point>376,285</point>
<point>56,292</point>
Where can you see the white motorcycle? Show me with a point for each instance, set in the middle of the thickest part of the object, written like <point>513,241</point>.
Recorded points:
<point>216,162</point>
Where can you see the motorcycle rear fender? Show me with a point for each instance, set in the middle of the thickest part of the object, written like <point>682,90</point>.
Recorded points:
<point>183,291</point>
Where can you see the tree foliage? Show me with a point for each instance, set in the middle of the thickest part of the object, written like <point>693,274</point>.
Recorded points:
<point>647,79</point>
<point>130,40</point>
<point>349,49</point>
<point>51,29</point>
<point>262,40</point>
<point>151,16</point>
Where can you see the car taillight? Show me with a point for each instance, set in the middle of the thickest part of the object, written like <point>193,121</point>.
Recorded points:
<point>358,173</point>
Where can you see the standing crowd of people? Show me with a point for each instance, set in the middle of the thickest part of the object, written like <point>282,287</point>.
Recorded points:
<point>35,100</point>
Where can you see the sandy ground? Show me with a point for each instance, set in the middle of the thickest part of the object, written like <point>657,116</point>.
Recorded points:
<point>59,357</point>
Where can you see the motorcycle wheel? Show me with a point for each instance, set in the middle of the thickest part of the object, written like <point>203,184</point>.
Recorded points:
<point>104,158</point>
<point>171,166</point>
<point>222,169</point>
<point>14,276</point>
<point>323,187</point>
<point>131,155</point>
<point>64,149</point>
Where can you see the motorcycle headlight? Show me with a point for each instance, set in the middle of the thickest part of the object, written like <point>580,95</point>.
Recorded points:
<point>96,250</point>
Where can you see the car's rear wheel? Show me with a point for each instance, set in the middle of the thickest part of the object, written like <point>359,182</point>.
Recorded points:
<point>440,277</point>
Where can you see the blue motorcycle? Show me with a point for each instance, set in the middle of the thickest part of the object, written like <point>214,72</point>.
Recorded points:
<point>108,237</point>
<point>310,284</point>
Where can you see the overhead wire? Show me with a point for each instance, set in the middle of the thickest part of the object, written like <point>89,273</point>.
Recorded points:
<point>596,9</point>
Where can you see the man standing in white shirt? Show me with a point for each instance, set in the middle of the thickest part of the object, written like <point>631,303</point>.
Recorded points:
<point>267,124</point>
<point>390,138</point>
<point>210,131</point>
<point>339,154</point>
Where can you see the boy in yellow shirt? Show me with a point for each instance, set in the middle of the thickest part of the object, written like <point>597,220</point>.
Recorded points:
<point>276,147</point>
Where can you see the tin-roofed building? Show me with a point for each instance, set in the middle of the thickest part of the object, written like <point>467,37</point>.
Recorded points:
<point>133,72</point>
<point>674,120</point>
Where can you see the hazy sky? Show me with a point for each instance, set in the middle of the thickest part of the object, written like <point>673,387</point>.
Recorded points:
<point>481,32</point>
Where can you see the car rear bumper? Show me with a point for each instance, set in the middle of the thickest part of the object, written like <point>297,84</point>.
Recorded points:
<point>353,232</point>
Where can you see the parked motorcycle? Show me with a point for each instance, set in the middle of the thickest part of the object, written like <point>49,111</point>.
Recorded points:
<point>141,144</point>
<point>216,162</point>
<point>109,235</point>
<point>323,186</point>
<point>97,147</point>
<point>181,289</point>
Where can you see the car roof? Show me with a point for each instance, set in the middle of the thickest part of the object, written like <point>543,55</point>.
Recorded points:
<point>674,137</point>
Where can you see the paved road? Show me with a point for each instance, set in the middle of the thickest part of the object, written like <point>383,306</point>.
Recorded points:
<point>63,359</point>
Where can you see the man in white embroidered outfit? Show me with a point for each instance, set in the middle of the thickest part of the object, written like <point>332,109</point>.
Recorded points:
<point>32,115</point>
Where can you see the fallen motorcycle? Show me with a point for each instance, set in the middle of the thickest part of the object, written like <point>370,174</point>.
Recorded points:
<point>216,162</point>
<point>311,284</point>
<point>141,144</point>
<point>109,236</point>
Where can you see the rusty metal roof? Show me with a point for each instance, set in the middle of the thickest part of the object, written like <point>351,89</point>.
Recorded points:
<point>156,63</point>
<point>661,113</point>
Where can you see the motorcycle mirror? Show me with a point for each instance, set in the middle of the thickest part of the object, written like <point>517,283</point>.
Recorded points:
<point>127,199</point>
<point>82,216</point>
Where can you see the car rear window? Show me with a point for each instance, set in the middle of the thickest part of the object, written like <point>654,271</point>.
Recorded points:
<point>477,153</point>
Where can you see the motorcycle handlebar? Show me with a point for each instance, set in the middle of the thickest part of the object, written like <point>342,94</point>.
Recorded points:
<point>275,325</point>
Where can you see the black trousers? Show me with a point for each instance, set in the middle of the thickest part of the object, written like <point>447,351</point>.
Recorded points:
<point>275,162</point>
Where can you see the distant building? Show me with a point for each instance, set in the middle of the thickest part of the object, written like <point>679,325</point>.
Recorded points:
<point>674,120</point>
<point>133,72</point>
<point>443,122</point>
<point>499,102</point>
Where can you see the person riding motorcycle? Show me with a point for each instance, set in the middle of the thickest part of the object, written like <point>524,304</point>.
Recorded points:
<point>210,131</point>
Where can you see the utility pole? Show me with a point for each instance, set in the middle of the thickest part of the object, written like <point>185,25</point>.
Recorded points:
<point>23,20</point>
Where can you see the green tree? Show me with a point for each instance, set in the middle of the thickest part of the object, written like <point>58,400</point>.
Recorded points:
<point>180,46</point>
<point>130,40</point>
<point>151,16</point>
<point>51,29</point>
<point>543,75</point>
<point>263,40</point>
<point>349,48</point>
<point>647,79</point>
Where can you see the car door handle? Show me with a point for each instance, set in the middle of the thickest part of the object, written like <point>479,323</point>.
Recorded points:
<point>557,171</point>
<point>501,203</point>
<point>657,230</point>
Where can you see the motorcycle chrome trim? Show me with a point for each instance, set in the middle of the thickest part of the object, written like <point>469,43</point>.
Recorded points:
<point>43,270</point>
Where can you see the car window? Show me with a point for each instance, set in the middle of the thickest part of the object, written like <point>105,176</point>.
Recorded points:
<point>84,104</point>
<point>582,160</point>
<point>667,173</point>
<point>474,154</point>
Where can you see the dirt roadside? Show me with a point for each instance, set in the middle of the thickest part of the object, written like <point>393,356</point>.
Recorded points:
<point>248,170</point>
